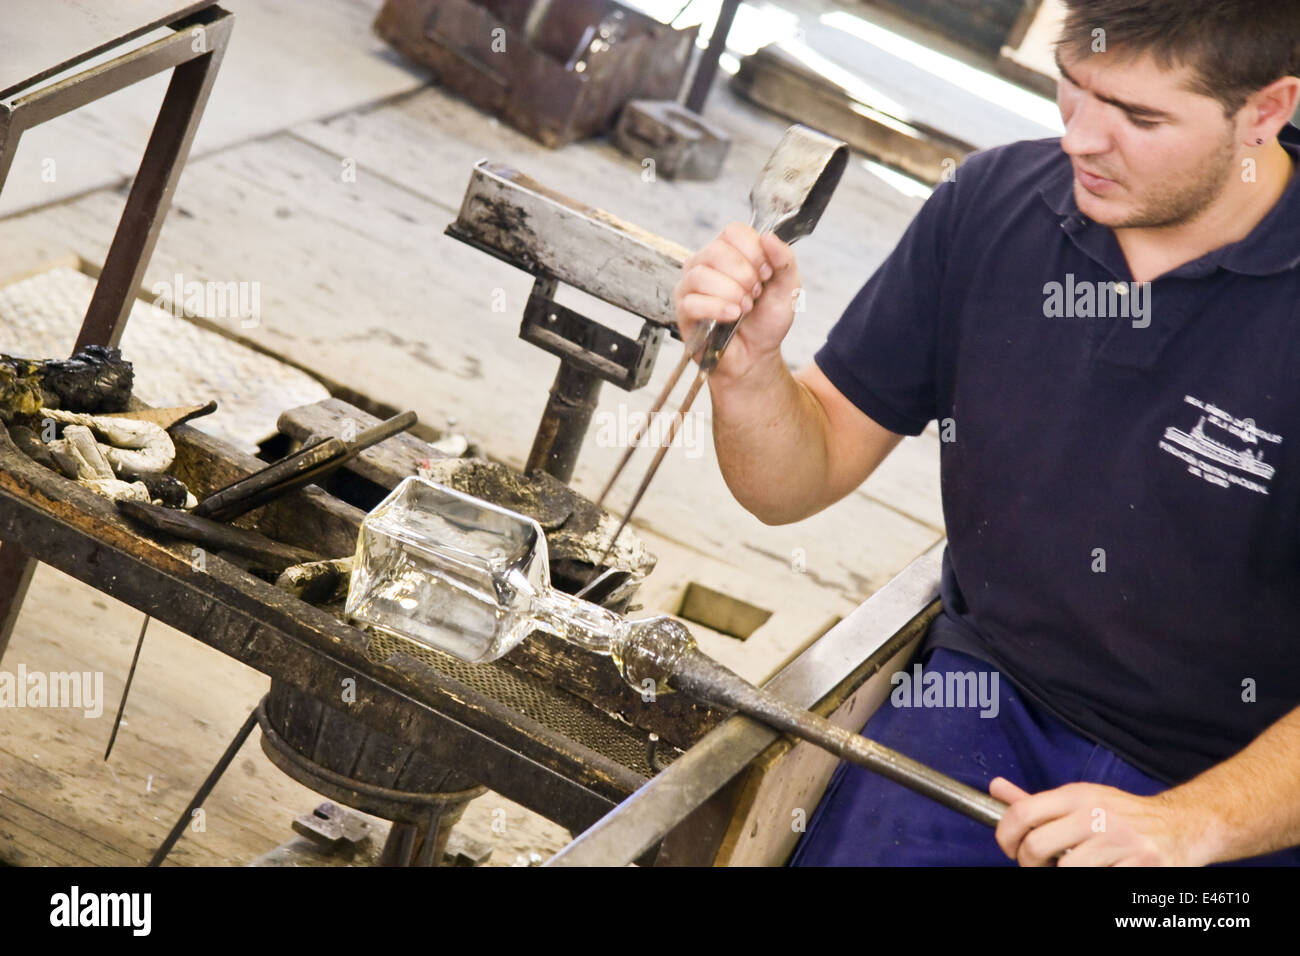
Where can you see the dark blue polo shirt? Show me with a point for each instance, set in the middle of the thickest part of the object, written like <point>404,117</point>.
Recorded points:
<point>1121,492</point>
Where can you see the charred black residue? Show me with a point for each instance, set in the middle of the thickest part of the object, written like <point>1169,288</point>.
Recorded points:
<point>96,379</point>
<point>499,216</point>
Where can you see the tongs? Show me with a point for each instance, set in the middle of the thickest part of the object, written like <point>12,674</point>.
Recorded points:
<point>787,199</point>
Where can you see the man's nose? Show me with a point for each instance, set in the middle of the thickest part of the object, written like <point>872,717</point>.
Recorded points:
<point>1086,128</point>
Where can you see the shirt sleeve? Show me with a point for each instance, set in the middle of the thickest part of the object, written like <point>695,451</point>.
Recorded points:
<point>881,354</point>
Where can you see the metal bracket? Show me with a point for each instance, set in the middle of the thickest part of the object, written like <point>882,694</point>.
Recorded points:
<point>333,827</point>
<point>588,345</point>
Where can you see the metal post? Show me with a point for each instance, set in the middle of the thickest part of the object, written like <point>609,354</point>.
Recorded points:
<point>706,67</point>
<point>151,193</point>
<point>16,569</point>
<point>9,134</point>
<point>564,423</point>
<point>399,848</point>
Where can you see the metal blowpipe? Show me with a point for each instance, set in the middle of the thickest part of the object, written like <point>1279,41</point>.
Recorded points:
<point>701,677</point>
<point>787,200</point>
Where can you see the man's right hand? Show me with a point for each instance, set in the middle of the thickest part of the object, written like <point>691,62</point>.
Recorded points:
<point>787,445</point>
<point>740,273</point>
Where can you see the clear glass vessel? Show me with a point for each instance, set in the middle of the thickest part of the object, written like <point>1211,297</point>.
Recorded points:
<point>472,579</point>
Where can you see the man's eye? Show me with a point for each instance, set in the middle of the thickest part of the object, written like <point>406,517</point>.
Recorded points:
<point>1143,124</point>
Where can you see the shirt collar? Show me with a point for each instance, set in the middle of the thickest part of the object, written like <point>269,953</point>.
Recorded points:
<point>1273,245</point>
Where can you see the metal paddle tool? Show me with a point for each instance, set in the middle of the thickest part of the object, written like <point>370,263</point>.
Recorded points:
<point>787,200</point>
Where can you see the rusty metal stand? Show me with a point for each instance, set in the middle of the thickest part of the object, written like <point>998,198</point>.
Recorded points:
<point>564,423</point>
<point>706,67</point>
<point>193,52</point>
<point>590,354</point>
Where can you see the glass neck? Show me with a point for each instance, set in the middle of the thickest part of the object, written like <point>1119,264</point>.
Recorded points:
<point>577,621</point>
<point>645,652</point>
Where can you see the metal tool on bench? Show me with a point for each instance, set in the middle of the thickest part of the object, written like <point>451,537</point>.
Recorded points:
<point>788,199</point>
<point>471,579</point>
<point>294,471</point>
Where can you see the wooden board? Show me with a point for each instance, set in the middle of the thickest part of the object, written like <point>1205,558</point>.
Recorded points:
<point>1029,56</point>
<point>395,458</point>
<point>981,24</point>
<point>757,819</point>
<point>38,38</point>
<point>779,81</point>
<point>928,84</point>
<point>786,784</point>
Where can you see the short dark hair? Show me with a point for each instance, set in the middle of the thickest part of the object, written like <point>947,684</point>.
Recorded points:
<point>1234,47</point>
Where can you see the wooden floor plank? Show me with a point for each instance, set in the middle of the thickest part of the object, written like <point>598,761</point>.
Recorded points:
<point>60,804</point>
<point>287,62</point>
<point>21,842</point>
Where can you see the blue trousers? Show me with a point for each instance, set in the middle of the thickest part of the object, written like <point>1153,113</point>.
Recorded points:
<point>866,820</point>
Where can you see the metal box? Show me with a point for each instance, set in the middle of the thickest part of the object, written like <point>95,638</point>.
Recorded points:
<point>557,70</point>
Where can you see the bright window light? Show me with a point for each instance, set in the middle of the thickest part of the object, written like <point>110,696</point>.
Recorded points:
<point>988,87</point>
<point>903,183</point>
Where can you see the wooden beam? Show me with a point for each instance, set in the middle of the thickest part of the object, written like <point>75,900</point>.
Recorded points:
<point>777,81</point>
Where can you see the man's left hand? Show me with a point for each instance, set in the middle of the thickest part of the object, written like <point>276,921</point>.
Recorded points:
<point>1088,824</point>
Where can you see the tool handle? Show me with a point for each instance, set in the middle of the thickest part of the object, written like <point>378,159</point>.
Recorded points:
<point>717,335</point>
<point>243,495</point>
<point>267,554</point>
<point>377,433</point>
<point>296,470</point>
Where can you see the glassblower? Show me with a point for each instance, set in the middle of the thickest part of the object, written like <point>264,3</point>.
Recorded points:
<point>472,579</point>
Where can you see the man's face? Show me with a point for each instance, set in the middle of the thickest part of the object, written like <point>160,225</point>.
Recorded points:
<point>1147,151</point>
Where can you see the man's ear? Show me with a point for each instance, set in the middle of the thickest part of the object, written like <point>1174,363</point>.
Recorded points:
<point>1269,109</point>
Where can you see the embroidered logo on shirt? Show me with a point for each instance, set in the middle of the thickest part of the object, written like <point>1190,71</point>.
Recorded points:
<point>1222,449</point>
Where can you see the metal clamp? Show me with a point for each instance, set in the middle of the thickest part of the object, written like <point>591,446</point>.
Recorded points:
<point>586,344</point>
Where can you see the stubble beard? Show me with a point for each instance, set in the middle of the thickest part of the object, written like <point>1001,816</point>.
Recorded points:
<point>1171,204</point>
